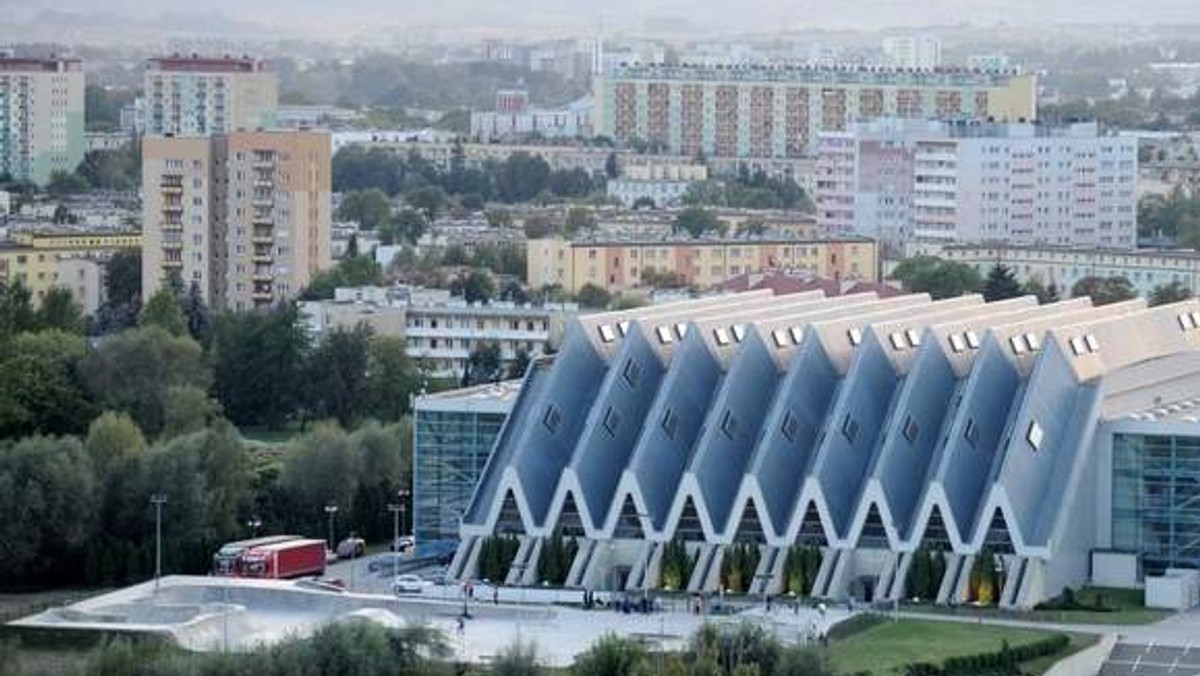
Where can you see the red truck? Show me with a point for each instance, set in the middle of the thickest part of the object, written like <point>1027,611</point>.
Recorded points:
<point>283,560</point>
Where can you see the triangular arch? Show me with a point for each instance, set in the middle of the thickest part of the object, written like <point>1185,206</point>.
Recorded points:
<point>874,533</point>
<point>749,527</point>
<point>690,527</point>
<point>629,524</point>
<point>570,523</point>
<point>999,536</point>
<point>509,520</point>
<point>812,532</point>
<point>936,534</point>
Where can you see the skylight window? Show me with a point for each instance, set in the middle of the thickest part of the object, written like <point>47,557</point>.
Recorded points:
<point>855,336</point>
<point>607,333</point>
<point>972,339</point>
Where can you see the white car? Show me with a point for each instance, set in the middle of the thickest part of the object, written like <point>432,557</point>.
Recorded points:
<point>408,584</point>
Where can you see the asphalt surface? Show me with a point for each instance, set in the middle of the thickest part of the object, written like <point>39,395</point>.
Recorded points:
<point>1132,659</point>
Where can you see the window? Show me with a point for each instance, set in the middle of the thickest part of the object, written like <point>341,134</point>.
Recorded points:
<point>790,427</point>
<point>850,428</point>
<point>897,341</point>
<point>1032,341</point>
<point>1186,322</point>
<point>911,430</point>
<point>1017,343</point>
<point>1195,315</point>
<point>632,373</point>
<point>971,433</point>
<point>670,423</point>
<point>728,425</point>
<point>664,335</point>
<point>780,337</point>
<point>957,344</point>
<point>972,339</point>
<point>739,332</point>
<point>1034,435</point>
<point>855,336</point>
<point>1077,346</point>
<point>612,420</point>
<point>681,330</point>
<point>797,334</point>
<point>622,326</point>
<point>721,336</point>
<point>1093,345</point>
<point>914,337</point>
<point>606,333</point>
<point>552,419</point>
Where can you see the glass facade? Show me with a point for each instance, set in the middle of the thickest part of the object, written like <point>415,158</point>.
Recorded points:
<point>1156,499</point>
<point>450,449</point>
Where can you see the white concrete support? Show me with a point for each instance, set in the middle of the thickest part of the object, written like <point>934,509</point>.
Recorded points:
<point>839,581</point>
<point>587,547</point>
<point>883,583</point>
<point>900,579</point>
<point>466,558</point>
<point>829,559</point>
<point>530,576</point>
<point>637,574</point>
<point>962,586</point>
<point>653,576</point>
<point>949,578</point>
<point>700,571</point>
<point>1012,581</point>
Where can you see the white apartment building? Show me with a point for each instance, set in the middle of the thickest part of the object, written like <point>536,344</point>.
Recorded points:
<point>1015,183</point>
<point>1146,269</point>
<point>663,184</point>
<point>912,51</point>
<point>569,121</point>
<point>41,117</point>
<point>440,331</point>
<point>198,96</point>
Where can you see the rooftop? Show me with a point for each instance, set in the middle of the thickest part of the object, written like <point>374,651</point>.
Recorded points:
<point>489,398</point>
<point>200,64</point>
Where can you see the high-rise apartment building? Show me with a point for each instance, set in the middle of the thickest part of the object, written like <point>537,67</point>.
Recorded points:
<point>41,117</point>
<point>1016,183</point>
<point>779,111</point>
<point>245,216</point>
<point>913,51</point>
<point>196,96</point>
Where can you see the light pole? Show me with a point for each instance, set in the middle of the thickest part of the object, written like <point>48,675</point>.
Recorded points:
<point>331,512</point>
<point>254,524</point>
<point>158,500</point>
<point>397,510</point>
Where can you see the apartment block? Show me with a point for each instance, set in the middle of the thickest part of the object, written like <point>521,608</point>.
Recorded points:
<point>912,51</point>
<point>198,96</point>
<point>440,331</point>
<point>623,265</point>
<point>245,216</point>
<point>41,117</point>
<point>902,180</point>
<point>779,111</point>
<point>44,259</point>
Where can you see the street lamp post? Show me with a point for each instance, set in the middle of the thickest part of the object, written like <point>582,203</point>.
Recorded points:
<point>331,512</point>
<point>158,500</point>
<point>254,524</point>
<point>397,510</point>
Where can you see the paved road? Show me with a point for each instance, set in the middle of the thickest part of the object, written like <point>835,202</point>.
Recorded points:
<point>1130,659</point>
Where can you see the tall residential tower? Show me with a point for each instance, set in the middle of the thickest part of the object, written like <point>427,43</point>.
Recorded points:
<point>197,96</point>
<point>41,117</point>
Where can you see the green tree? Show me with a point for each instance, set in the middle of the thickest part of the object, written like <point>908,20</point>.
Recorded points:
<point>195,311</point>
<point>369,208</point>
<point>580,219</point>
<point>1169,293</point>
<point>538,227</point>
<point>320,468</point>
<point>1001,284</point>
<point>613,655</point>
<point>1104,290</point>
<point>593,297</point>
<point>350,271</point>
<point>940,279</point>
<point>517,659</point>
<point>336,375</point>
<point>16,310</point>
<point>42,392</point>
<point>123,291</point>
<point>408,226</point>
<point>697,221</point>
<point>483,365</point>
<point>478,287</point>
<point>133,371</point>
<point>392,378</point>
<point>164,311</point>
<point>1045,294</point>
<point>429,200</point>
<point>59,311</point>
<point>118,170</point>
<point>499,218</point>
<point>187,409</point>
<point>257,363</point>
<point>518,366</point>
<point>521,176</point>
<point>63,183</point>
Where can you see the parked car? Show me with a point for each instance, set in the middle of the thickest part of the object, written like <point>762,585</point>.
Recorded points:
<point>403,544</point>
<point>330,556</point>
<point>351,548</point>
<point>408,584</point>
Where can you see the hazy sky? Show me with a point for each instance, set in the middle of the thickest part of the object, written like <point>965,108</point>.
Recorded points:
<point>707,14</point>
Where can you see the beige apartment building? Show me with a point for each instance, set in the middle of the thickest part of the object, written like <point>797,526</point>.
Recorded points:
<point>244,216</point>
<point>41,117</point>
<point>622,265</point>
<point>198,96</point>
<point>73,260</point>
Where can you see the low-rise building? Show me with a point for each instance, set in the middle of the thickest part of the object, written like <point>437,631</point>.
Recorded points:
<point>42,260</point>
<point>1145,269</point>
<point>624,264</point>
<point>453,436</point>
<point>663,185</point>
<point>440,331</point>
<point>514,118</point>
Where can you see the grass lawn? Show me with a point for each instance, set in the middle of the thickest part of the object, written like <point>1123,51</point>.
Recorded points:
<point>1127,605</point>
<point>886,648</point>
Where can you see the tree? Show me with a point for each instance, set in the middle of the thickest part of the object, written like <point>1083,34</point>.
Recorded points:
<point>483,365</point>
<point>613,655</point>
<point>538,227</point>
<point>257,360</point>
<point>1001,284</point>
<point>499,218</point>
<point>478,287</point>
<point>336,375</point>
<point>123,277</point>
<point>697,221</point>
<point>164,311</point>
<point>570,183</point>
<point>320,469</point>
<point>350,271</point>
<point>369,208</point>
<point>59,311</point>
<point>612,167</point>
<point>643,202</point>
<point>593,297</point>
<point>41,391</point>
<point>518,659</point>
<point>1104,290</point>
<point>187,409</point>
<point>429,200</point>
<point>580,219</point>
<point>1045,294</point>
<point>392,378</point>
<point>133,370</point>
<point>198,319</point>
<point>16,310</point>
<point>63,183</point>
<point>1169,293</point>
<point>521,176</point>
<point>940,279</point>
<point>518,366</point>
<point>408,225</point>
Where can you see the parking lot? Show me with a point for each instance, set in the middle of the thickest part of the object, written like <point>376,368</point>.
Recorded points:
<point>1132,659</point>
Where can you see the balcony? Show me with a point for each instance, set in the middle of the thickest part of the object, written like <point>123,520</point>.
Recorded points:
<point>170,264</point>
<point>260,257</point>
<point>264,275</point>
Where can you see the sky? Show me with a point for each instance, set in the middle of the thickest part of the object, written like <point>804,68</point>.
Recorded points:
<point>632,14</point>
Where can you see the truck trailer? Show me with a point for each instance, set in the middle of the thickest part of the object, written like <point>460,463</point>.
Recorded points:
<point>283,560</point>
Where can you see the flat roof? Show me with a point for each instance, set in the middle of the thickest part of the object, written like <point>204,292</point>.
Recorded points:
<point>488,398</point>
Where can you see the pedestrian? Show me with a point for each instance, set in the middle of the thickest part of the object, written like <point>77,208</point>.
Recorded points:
<point>462,626</point>
<point>495,596</point>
